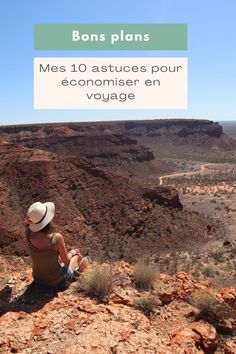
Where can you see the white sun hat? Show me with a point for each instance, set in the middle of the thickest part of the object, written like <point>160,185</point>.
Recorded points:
<point>40,214</point>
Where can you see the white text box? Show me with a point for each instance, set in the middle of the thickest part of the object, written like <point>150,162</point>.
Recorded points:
<point>110,83</point>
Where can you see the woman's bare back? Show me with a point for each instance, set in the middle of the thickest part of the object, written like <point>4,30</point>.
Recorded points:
<point>40,240</point>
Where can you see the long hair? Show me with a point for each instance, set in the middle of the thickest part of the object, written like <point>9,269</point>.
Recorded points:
<point>48,228</point>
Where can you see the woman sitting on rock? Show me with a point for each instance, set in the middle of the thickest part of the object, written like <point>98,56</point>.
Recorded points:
<point>46,247</point>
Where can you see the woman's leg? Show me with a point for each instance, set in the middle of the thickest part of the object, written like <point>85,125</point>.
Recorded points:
<point>74,262</point>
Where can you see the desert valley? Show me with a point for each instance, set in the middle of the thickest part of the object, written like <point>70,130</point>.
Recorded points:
<point>154,196</point>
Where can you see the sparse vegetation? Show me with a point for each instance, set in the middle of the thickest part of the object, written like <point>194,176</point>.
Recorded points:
<point>97,281</point>
<point>200,265</point>
<point>210,307</point>
<point>144,274</point>
<point>218,256</point>
<point>212,201</point>
<point>146,304</point>
<point>11,203</point>
<point>27,260</point>
<point>233,251</point>
<point>86,212</point>
<point>208,272</point>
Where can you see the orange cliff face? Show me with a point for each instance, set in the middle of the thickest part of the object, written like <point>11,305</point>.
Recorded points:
<point>135,148</point>
<point>100,211</point>
<point>133,128</point>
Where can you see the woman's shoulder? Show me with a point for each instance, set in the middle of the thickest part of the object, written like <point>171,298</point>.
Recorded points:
<point>56,239</point>
<point>57,236</point>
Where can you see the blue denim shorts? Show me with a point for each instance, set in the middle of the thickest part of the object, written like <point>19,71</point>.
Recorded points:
<point>68,277</point>
<point>68,273</point>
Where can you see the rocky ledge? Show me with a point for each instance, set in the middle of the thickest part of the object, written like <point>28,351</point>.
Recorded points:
<point>37,320</point>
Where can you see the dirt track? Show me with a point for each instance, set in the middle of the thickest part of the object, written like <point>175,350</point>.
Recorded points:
<point>202,169</point>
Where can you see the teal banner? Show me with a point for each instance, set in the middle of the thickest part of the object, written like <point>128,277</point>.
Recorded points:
<point>110,37</point>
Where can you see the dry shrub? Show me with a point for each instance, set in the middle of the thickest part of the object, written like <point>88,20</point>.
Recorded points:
<point>144,275</point>
<point>146,304</point>
<point>97,281</point>
<point>210,308</point>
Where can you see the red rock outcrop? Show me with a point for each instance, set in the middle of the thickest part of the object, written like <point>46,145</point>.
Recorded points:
<point>199,337</point>
<point>35,319</point>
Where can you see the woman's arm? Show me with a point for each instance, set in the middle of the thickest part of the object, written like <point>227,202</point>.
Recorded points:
<point>61,248</point>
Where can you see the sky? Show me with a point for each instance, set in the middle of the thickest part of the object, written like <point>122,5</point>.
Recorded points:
<point>211,54</point>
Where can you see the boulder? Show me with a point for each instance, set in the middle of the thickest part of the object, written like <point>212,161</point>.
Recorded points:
<point>199,335</point>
